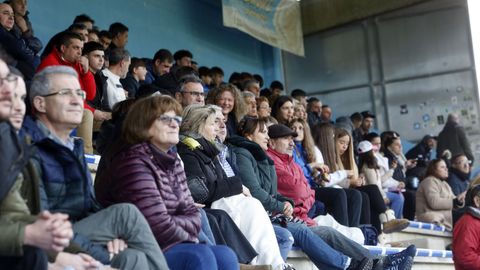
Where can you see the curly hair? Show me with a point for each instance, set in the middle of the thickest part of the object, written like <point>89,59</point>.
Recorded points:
<point>239,107</point>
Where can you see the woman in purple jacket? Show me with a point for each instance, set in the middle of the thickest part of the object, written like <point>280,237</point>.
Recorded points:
<point>148,174</point>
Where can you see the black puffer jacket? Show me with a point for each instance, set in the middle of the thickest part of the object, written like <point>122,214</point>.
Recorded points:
<point>200,160</point>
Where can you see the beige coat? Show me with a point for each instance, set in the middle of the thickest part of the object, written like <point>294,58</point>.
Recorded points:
<point>435,202</point>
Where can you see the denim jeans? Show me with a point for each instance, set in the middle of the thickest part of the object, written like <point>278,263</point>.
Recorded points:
<point>341,243</point>
<point>321,254</point>
<point>396,203</point>
<point>205,234</point>
<point>201,257</point>
<point>284,240</point>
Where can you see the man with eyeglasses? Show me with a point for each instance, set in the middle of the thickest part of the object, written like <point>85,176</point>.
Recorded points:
<point>121,230</point>
<point>459,174</point>
<point>24,238</point>
<point>191,91</point>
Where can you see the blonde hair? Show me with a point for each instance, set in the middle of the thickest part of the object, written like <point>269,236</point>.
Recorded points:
<point>347,160</point>
<point>323,136</point>
<point>194,118</point>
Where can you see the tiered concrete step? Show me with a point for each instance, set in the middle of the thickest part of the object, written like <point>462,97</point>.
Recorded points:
<point>426,259</point>
<point>422,235</point>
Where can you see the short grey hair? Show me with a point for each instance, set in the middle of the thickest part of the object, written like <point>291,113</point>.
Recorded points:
<point>249,83</point>
<point>248,94</point>
<point>41,82</point>
<point>194,118</point>
<point>117,55</point>
<point>189,79</point>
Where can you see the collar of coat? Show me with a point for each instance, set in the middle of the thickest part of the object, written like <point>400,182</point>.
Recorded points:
<point>254,148</point>
<point>285,158</point>
<point>475,212</point>
<point>201,144</point>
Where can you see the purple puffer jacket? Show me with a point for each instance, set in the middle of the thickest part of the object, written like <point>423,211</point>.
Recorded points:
<point>155,182</point>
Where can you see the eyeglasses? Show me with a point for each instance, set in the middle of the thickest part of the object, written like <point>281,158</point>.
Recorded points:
<point>9,78</point>
<point>167,120</point>
<point>68,92</point>
<point>195,94</point>
<point>463,162</point>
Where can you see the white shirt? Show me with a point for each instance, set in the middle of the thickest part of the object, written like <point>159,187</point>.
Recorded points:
<point>115,91</point>
<point>338,179</point>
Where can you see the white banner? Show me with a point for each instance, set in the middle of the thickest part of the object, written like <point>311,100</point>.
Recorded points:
<point>276,22</point>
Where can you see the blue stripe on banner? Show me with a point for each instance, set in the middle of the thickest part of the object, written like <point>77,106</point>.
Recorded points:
<point>427,226</point>
<point>423,252</point>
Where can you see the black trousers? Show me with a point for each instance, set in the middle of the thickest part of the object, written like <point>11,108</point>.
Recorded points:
<point>409,204</point>
<point>33,259</point>
<point>335,201</point>
<point>345,205</point>
<point>365,216</point>
<point>226,232</point>
<point>377,204</point>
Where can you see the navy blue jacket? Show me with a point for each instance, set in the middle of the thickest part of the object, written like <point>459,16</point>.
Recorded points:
<point>458,181</point>
<point>66,182</point>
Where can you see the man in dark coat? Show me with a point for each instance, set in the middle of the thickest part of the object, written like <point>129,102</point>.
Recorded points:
<point>453,138</point>
<point>459,174</point>
<point>25,59</point>
<point>24,238</point>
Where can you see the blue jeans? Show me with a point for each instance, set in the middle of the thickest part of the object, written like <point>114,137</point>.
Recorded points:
<point>201,257</point>
<point>321,254</point>
<point>396,203</point>
<point>341,243</point>
<point>205,234</point>
<point>284,239</point>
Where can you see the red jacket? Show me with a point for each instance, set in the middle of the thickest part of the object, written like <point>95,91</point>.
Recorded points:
<point>292,184</point>
<point>87,81</point>
<point>466,243</point>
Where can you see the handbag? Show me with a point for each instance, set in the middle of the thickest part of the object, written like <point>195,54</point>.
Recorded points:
<point>370,234</point>
<point>197,188</point>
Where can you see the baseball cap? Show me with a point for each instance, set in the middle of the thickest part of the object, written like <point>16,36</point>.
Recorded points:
<point>364,146</point>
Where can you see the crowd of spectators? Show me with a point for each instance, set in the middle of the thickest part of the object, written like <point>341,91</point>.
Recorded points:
<point>196,172</point>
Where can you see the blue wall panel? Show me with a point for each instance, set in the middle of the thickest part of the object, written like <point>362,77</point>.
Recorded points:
<point>195,25</point>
